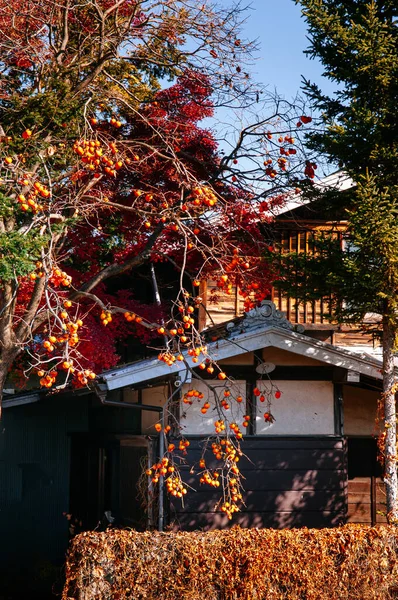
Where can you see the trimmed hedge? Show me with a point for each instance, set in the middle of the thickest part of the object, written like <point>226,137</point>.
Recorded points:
<point>350,562</point>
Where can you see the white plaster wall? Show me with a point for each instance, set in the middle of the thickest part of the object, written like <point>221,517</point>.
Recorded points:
<point>304,408</point>
<point>359,410</point>
<point>155,396</point>
<point>195,423</point>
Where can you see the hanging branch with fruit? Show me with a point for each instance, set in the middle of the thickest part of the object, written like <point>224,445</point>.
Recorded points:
<point>104,170</point>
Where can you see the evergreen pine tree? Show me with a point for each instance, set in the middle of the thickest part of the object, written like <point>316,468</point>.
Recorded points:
<point>357,43</point>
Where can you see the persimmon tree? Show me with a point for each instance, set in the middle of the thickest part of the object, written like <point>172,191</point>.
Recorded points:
<point>105,169</point>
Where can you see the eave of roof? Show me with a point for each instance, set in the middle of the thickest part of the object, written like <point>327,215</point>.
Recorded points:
<point>247,336</point>
<point>262,327</point>
<point>10,400</point>
<point>339,180</point>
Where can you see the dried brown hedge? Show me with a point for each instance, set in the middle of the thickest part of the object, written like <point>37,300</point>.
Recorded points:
<point>351,562</point>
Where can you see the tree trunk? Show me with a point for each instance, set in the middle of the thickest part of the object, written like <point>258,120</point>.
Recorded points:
<point>3,376</point>
<point>390,422</point>
<point>7,358</point>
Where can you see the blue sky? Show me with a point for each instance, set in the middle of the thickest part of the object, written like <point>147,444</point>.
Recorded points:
<point>280,63</point>
<point>281,33</point>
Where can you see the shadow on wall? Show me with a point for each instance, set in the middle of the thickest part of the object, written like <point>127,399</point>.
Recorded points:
<point>288,483</point>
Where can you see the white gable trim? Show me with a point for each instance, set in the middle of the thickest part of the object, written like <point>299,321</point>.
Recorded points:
<point>327,353</point>
<point>139,372</point>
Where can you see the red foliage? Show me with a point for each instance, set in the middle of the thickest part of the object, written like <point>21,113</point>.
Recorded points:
<point>208,231</point>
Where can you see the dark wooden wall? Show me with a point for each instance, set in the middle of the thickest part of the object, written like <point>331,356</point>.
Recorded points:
<point>34,474</point>
<point>290,482</point>
<point>35,453</point>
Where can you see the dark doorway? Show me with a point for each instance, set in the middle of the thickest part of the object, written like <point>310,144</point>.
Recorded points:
<point>366,497</point>
<point>104,476</point>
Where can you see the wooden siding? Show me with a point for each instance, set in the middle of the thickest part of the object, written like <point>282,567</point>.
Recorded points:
<point>220,306</point>
<point>300,239</point>
<point>353,336</point>
<point>292,238</point>
<point>366,501</point>
<point>289,482</point>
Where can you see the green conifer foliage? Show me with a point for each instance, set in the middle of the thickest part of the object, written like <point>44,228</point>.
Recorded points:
<point>357,43</point>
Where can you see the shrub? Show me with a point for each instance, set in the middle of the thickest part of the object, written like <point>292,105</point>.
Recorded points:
<point>353,561</point>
